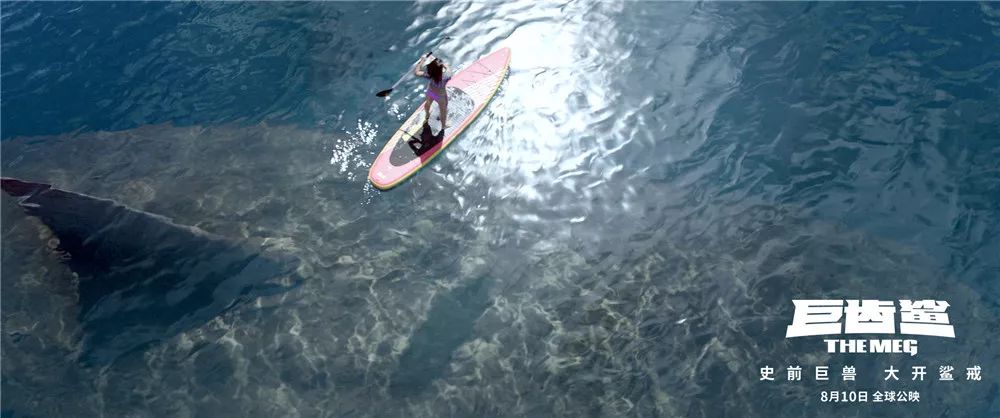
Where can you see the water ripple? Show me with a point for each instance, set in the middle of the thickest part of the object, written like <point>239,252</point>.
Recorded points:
<point>651,185</point>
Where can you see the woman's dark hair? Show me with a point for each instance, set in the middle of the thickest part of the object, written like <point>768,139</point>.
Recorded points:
<point>436,70</point>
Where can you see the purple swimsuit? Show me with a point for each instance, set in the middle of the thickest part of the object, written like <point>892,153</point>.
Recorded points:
<point>430,93</point>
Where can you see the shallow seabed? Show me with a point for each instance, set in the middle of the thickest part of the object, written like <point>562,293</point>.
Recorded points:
<point>621,232</point>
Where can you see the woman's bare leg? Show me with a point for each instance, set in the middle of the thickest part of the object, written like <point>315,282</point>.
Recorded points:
<point>427,110</point>
<point>443,108</point>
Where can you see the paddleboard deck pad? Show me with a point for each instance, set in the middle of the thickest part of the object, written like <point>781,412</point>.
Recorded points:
<point>416,143</point>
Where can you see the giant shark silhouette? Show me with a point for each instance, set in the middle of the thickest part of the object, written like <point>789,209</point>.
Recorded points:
<point>142,277</point>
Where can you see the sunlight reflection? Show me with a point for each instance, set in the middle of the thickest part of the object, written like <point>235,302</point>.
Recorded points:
<point>557,91</point>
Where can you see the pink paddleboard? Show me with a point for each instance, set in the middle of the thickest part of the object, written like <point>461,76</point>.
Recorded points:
<point>415,144</point>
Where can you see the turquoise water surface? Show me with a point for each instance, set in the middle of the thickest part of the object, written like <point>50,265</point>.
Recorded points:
<point>620,233</point>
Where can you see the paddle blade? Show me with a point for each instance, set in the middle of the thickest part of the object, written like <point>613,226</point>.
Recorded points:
<point>383,93</point>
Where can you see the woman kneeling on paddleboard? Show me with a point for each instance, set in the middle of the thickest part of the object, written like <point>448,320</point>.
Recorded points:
<point>435,88</point>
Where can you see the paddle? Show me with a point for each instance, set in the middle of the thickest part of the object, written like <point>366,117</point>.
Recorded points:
<point>385,93</point>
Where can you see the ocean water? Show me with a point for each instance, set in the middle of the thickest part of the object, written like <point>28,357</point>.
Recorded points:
<point>621,233</point>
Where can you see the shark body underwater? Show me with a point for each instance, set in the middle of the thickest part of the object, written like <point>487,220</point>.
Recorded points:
<point>142,277</point>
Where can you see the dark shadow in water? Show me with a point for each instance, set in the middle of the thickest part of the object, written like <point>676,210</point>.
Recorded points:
<point>449,324</point>
<point>144,278</point>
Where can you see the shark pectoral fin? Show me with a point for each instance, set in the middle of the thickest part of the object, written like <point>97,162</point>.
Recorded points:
<point>21,188</point>
<point>144,278</point>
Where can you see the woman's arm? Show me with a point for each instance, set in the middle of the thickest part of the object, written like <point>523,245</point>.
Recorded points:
<point>419,69</point>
